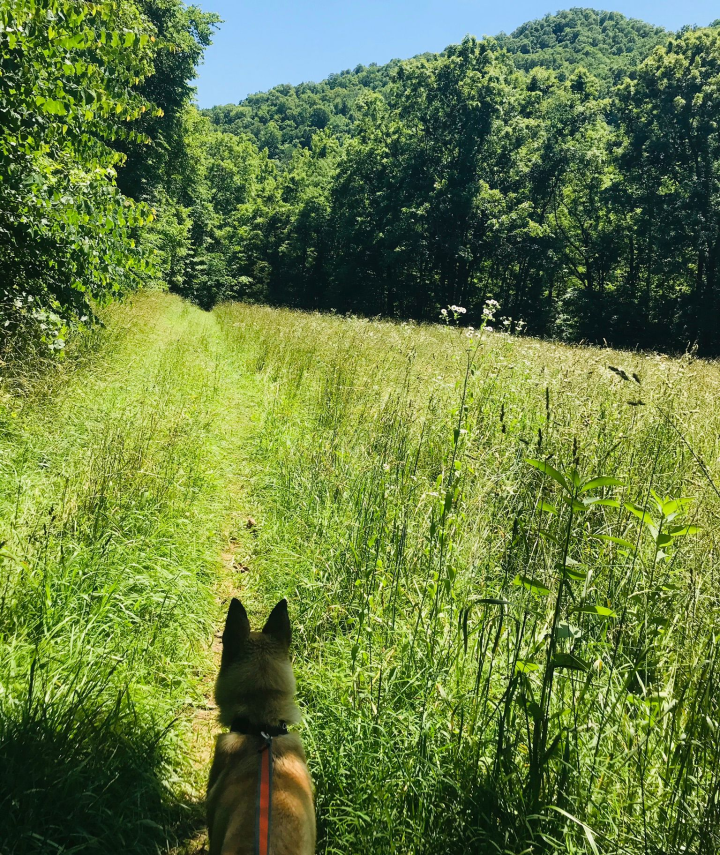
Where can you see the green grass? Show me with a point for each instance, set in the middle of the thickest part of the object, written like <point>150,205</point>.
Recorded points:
<point>113,474</point>
<point>480,674</point>
<point>482,668</point>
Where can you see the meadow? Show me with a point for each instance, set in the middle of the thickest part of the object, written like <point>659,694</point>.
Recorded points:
<point>499,555</point>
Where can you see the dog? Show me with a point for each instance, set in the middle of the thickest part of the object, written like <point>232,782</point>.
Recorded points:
<point>254,694</point>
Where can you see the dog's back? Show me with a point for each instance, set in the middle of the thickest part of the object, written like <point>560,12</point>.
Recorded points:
<point>254,691</point>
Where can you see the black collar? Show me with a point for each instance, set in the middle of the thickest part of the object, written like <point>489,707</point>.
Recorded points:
<point>243,725</point>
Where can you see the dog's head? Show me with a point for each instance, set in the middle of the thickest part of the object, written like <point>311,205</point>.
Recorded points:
<point>256,680</point>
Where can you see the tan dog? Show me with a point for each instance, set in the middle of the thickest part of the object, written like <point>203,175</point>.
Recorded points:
<point>254,692</point>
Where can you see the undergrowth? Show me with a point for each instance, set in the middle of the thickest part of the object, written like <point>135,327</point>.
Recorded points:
<point>500,556</point>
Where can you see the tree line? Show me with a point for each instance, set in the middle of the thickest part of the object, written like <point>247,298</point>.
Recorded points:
<point>570,171</point>
<point>94,99</point>
<point>588,207</point>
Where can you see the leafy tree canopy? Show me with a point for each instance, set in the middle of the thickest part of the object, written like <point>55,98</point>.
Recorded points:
<point>605,43</point>
<point>87,90</point>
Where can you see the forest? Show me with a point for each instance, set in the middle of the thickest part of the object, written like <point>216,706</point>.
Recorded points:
<point>569,171</point>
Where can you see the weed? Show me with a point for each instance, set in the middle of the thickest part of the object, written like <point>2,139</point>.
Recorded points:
<point>501,569</point>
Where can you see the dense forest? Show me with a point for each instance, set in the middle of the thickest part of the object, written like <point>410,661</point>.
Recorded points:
<point>94,105</point>
<point>570,171</point>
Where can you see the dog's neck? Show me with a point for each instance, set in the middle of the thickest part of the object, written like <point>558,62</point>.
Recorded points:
<point>261,713</point>
<point>244,726</point>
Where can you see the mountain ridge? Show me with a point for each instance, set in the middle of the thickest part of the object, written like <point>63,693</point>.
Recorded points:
<point>608,44</point>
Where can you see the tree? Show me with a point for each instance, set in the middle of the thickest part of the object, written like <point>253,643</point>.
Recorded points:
<point>670,158</point>
<point>68,72</point>
<point>180,35</point>
<point>412,226</point>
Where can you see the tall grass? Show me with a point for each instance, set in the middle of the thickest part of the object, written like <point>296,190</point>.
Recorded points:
<point>501,558</point>
<point>500,555</point>
<point>112,498</point>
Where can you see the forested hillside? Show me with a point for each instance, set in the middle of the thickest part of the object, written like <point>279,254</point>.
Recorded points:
<point>570,171</point>
<point>288,116</point>
<point>606,43</point>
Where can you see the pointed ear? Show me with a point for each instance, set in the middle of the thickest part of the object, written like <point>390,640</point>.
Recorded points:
<point>236,632</point>
<point>278,624</point>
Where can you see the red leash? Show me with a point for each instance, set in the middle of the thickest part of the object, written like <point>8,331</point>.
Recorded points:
<point>265,733</point>
<point>264,798</point>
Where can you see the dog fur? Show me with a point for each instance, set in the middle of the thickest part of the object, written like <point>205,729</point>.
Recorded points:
<point>256,682</point>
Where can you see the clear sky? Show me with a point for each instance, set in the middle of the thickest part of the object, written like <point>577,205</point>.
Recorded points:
<point>266,42</point>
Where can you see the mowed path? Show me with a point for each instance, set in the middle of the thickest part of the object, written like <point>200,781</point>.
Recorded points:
<point>131,459</point>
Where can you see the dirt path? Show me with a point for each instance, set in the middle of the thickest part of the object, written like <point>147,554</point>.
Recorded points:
<point>238,395</point>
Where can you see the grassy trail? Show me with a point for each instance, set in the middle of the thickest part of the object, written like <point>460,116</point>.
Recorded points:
<point>121,479</point>
<point>500,553</point>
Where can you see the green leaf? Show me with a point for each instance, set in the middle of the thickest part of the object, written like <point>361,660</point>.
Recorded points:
<point>531,585</point>
<point>601,481</point>
<point>674,506</point>
<point>600,611</point>
<point>589,834</point>
<point>550,471</point>
<point>683,530</point>
<point>574,573</point>
<point>579,507</point>
<point>533,707</point>
<point>566,630</point>
<point>547,507</point>
<point>569,661</point>
<point>619,540</point>
<point>644,516</point>
<point>53,107</point>
<point>524,667</point>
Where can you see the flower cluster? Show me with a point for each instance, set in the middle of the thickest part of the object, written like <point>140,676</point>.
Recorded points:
<point>489,309</point>
<point>454,311</point>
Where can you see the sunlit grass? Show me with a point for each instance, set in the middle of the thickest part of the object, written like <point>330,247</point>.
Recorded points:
<point>113,496</point>
<point>493,655</point>
<point>483,667</point>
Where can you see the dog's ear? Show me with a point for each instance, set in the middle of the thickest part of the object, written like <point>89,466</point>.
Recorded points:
<point>278,624</point>
<point>236,632</point>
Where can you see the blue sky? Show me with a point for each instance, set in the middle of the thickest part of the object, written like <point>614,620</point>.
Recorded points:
<point>266,42</point>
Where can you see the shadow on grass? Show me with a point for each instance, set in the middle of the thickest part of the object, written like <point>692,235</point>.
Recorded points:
<point>72,782</point>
